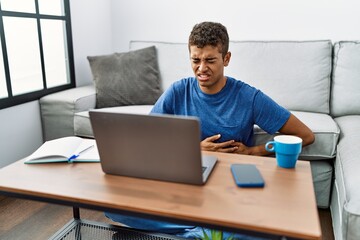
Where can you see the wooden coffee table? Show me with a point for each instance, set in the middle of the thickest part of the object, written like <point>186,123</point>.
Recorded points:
<point>286,206</point>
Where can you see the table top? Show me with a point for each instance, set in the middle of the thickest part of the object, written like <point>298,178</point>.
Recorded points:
<point>285,206</point>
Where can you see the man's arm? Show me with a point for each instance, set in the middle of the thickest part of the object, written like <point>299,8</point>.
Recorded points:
<point>293,126</point>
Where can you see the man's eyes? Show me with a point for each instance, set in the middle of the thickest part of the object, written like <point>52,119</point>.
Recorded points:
<point>207,60</point>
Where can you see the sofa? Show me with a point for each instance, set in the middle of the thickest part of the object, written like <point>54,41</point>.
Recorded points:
<point>318,81</point>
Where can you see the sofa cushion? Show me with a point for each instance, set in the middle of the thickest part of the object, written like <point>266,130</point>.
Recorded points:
<point>173,59</point>
<point>126,78</point>
<point>282,68</point>
<point>82,125</point>
<point>345,95</point>
<point>326,135</point>
<point>346,192</point>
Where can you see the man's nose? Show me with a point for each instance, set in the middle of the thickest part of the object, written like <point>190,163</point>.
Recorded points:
<point>202,66</point>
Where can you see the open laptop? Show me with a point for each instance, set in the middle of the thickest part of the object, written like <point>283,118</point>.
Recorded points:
<point>160,147</point>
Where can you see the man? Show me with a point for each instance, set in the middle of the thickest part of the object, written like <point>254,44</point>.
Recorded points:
<point>227,109</point>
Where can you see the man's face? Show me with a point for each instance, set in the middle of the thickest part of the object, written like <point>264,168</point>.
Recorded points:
<point>208,66</point>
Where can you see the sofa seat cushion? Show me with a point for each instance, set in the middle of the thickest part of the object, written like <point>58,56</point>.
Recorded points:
<point>348,160</point>
<point>326,135</point>
<point>346,193</point>
<point>82,125</point>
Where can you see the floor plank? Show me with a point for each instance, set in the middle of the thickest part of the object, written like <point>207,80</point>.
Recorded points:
<point>24,219</point>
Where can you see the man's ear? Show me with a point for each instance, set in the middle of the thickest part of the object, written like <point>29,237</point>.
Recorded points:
<point>227,59</point>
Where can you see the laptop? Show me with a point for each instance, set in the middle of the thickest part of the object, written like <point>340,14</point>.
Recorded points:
<point>159,147</point>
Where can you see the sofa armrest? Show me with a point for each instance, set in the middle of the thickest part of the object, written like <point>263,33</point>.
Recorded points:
<point>58,109</point>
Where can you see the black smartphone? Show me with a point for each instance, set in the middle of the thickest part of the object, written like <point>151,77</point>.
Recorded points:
<point>247,175</point>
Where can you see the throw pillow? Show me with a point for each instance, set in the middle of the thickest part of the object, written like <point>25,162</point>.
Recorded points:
<point>130,78</point>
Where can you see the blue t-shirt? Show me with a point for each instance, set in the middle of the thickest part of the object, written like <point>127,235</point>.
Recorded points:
<point>232,112</point>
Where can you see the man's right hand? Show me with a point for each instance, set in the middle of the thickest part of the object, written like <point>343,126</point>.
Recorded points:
<point>208,144</point>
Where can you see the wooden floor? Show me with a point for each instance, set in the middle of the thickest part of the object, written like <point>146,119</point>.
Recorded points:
<point>24,219</point>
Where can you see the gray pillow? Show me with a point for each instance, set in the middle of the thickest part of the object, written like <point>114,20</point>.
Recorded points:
<point>130,78</point>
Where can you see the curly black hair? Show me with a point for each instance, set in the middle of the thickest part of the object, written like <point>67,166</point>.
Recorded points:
<point>210,33</point>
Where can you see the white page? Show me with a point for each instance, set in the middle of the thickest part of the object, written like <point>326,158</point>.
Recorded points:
<point>57,148</point>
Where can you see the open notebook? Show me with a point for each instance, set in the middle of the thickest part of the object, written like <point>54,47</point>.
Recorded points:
<point>65,149</point>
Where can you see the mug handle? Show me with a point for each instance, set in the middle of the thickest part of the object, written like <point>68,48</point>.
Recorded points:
<point>272,149</point>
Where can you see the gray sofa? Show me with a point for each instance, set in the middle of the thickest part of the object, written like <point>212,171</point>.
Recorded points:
<point>317,80</point>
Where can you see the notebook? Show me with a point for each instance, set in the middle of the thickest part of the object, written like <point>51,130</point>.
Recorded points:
<point>160,147</point>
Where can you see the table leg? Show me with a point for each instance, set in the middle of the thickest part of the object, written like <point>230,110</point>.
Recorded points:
<point>76,213</point>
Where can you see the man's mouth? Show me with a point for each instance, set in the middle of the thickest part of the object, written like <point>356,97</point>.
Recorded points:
<point>203,77</point>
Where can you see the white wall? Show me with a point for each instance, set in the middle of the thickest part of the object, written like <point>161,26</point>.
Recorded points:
<point>91,31</point>
<point>20,130</point>
<point>166,20</point>
<point>115,22</point>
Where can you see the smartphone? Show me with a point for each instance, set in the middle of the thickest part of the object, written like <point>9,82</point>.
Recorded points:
<point>247,175</point>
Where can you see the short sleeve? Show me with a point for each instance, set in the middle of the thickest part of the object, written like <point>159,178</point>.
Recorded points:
<point>164,105</point>
<point>269,115</point>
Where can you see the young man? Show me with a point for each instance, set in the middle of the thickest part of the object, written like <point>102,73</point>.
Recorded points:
<point>227,109</point>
